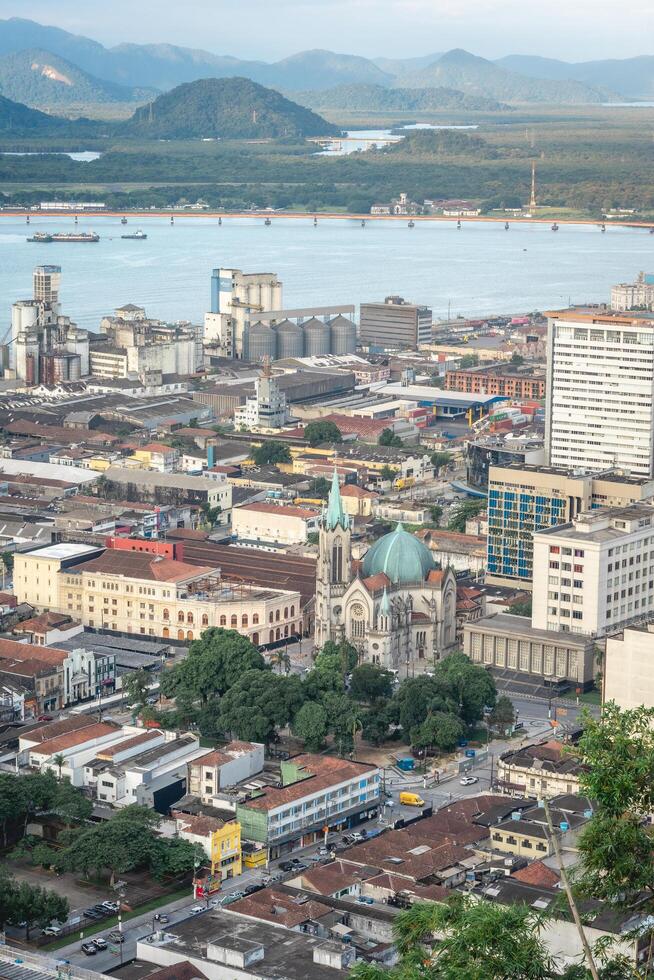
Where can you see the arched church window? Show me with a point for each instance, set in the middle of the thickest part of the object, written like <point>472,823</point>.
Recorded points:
<point>337,561</point>
<point>358,621</point>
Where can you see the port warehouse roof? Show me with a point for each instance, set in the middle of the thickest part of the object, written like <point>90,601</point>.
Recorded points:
<point>462,400</point>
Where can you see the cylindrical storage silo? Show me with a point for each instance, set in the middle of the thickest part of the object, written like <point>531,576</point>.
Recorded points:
<point>317,337</point>
<point>343,335</point>
<point>290,340</point>
<point>260,342</point>
<point>74,367</point>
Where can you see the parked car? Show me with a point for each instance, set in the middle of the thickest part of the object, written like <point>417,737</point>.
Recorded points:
<point>93,914</point>
<point>365,900</point>
<point>100,943</point>
<point>89,949</point>
<point>324,851</point>
<point>160,917</point>
<point>52,931</point>
<point>469,780</point>
<point>45,718</point>
<point>197,909</point>
<point>116,937</point>
<point>254,886</point>
<point>153,699</point>
<point>111,906</point>
<point>286,866</point>
<point>228,899</point>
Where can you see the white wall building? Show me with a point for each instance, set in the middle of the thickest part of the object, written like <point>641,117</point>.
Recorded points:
<point>595,574</point>
<point>234,295</point>
<point>629,667</point>
<point>266,409</point>
<point>600,391</point>
<point>275,523</point>
<point>634,295</point>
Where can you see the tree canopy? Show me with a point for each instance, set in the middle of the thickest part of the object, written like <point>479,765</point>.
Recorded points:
<point>214,664</point>
<point>322,430</point>
<point>270,453</point>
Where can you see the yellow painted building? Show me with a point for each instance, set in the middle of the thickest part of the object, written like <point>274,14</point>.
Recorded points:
<point>226,851</point>
<point>141,593</point>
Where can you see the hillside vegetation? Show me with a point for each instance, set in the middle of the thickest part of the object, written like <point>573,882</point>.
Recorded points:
<point>376,98</point>
<point>44,80</point>
<point>235,108</point>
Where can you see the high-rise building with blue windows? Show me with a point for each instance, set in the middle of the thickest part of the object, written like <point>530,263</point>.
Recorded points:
<point>524,499</point>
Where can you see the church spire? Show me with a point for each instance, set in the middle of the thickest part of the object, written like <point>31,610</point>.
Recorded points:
<point>335,515</point>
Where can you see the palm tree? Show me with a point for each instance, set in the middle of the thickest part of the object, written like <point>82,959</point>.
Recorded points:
<point>59,761</point>
<point>280,658</point>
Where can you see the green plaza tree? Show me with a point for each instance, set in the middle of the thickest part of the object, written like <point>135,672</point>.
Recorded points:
<point>322,430</point>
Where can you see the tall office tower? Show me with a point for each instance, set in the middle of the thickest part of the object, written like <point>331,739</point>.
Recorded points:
<point>395,324</point>
<point>47,282</point>
<point>600,391</point>
<point>234,295</point>
<point>523,499</point>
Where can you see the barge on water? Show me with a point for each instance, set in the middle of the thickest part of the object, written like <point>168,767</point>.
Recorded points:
<point>73,236</point>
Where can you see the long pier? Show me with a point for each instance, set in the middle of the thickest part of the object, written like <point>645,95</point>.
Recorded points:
<point>327,216</point>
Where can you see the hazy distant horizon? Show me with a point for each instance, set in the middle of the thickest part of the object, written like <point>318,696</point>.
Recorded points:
<point>370,28</point>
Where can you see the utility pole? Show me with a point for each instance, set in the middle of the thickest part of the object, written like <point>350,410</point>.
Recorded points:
<point>588,955</point>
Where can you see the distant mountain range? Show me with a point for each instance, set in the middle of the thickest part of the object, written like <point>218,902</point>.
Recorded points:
<point>376,98</point>
<point>45,80</point>
<point>515,79</point>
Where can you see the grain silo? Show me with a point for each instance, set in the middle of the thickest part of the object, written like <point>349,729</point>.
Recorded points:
<point>260,342</point>
<point>317,337</point>
<point>290,340</point>
<point>343,335</point>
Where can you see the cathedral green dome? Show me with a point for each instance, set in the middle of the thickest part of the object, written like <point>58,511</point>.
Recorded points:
<point>399,555</point>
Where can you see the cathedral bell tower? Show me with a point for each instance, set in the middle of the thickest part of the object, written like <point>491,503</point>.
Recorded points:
<point>334,570</point>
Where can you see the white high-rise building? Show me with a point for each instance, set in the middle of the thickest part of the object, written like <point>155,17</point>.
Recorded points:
<point>595,575</point>
<point>600,391</point>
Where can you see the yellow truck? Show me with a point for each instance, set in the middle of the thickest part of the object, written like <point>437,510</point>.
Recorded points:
<point>411,799</point>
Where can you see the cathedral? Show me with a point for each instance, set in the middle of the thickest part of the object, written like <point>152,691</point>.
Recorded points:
<point>395,606</point>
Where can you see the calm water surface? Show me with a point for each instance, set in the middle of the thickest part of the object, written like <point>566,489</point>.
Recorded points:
<point>480,269</point>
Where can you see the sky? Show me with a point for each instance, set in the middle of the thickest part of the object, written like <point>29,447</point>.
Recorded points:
<point>573,30</point>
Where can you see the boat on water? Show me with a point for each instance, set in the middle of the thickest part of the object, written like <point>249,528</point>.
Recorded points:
<point>267,221</point>
<point>555,227</point>
<point>137,236</point>
<point>64,236</point>
<point>412,224</point>
<point>123,220</point>
<point>506,226</point>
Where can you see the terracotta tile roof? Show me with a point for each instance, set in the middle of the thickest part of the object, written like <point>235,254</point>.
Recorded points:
<point>46,621</point>
<point>157,447</point>
<point>13,650</point>
<point>436,576</point>
<point>280,509</point>
<point>71,739</point>
<point>53,729</point>
<point>331,878</point>
<point>358,425</point>
<point>198,824</point>
<point>140,565</point>
<point>539,874</point>
<point>178,971</point>
<point>26,668</point>
<point>279,908</point>
<point>352,490</point>
<point>375,582</point>
<point>325,771</point>
<point>128,743</point>
<point>218,757</point>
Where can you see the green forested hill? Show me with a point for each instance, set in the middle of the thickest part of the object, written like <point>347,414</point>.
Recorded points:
<point>44,80</point>
<point>377,98</point>
<point>232,108</point>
